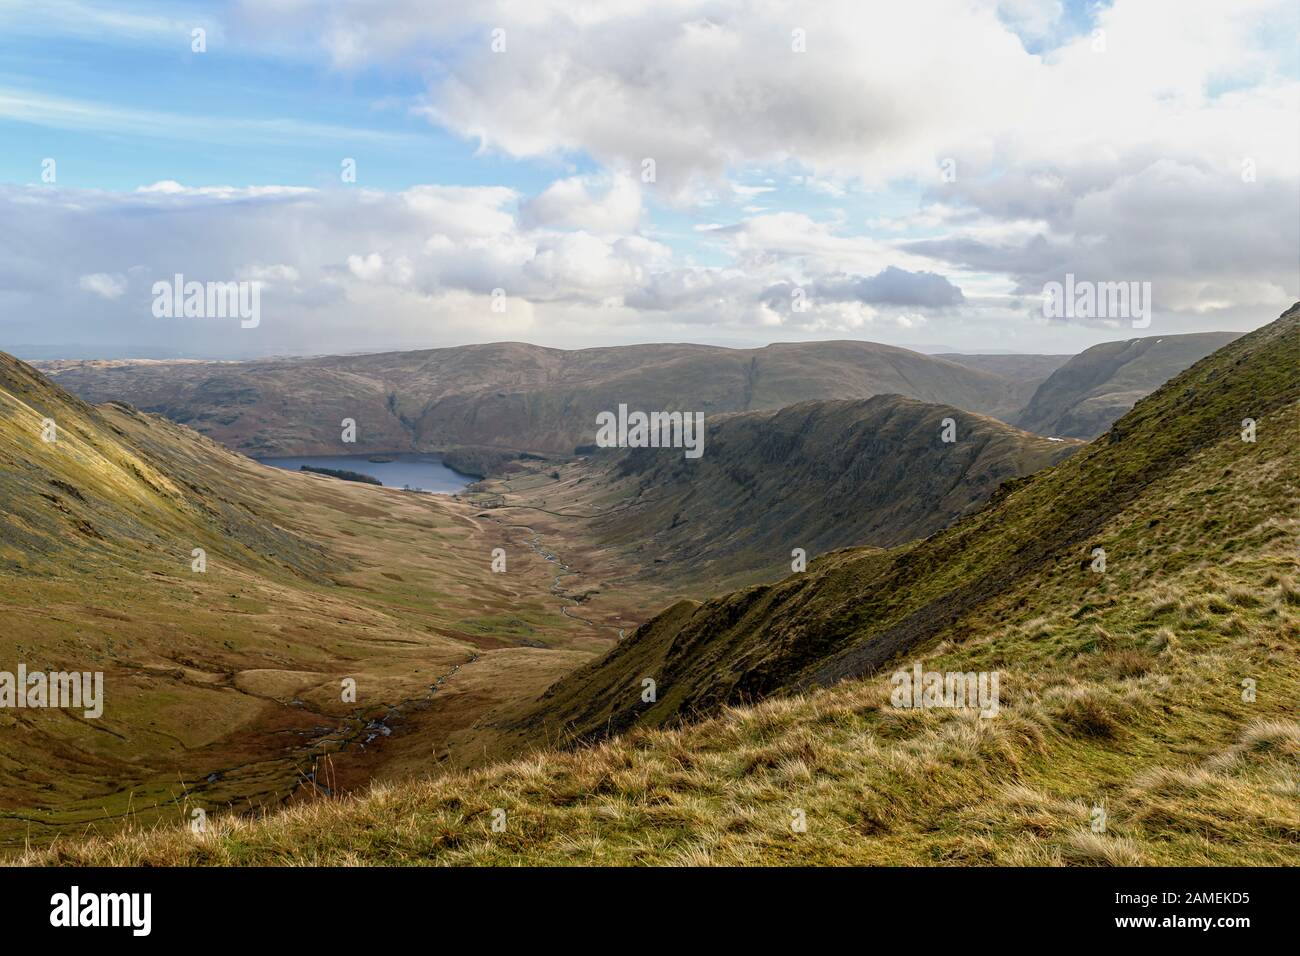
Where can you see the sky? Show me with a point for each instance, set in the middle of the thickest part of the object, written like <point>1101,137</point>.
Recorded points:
<point>573,174</point>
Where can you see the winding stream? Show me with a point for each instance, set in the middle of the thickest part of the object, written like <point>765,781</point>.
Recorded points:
<point>535,543</point>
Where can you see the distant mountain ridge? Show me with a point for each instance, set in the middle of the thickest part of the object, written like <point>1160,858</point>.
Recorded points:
<point>479,400</point>
<point>1023,373</point>
<point>510,395</point>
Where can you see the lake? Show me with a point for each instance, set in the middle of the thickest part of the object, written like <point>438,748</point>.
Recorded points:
<point>422,472</point>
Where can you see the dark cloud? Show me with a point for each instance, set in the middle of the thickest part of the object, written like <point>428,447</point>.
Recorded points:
<point>890,286</point>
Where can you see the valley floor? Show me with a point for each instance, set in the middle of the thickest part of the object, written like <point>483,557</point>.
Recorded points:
<point>225,687</point>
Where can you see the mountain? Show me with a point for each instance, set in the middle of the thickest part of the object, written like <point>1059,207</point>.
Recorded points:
<point>221,681</point>
<point>817,475</point>
<point>1146,712</point>
<point>509,395</point>
<point>1082,397</point>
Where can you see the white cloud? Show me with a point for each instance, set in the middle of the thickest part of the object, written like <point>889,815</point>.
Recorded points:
<point>368,268</point>
<point>460,212</point>
<point>169,187</point>
<point>598,204</point>
<point>103,285</point>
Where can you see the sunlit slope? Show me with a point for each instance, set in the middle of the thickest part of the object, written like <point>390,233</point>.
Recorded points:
<point>1147,714</point>
<point>852,612</point>
<point>93,491</point>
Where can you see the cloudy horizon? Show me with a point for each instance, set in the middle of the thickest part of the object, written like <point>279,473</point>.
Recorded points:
<point>426,174</point>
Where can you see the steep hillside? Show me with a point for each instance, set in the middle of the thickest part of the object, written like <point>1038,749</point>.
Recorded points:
<point>817,475</point>
<point>90,490</point>
<point>1082,397</point>
<point>1147,711</point>
<point>509,395</point>
<point>223,685</point>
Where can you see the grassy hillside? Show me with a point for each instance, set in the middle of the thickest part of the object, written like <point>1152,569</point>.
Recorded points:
<point>223,687</point>
<point>509,395</point>
<point>1161,691</point>
<point>817,475</point>
<point>92,491</point>
<point>1082,397</point>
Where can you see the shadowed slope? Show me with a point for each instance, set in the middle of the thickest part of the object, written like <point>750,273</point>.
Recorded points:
<point>817,475</point>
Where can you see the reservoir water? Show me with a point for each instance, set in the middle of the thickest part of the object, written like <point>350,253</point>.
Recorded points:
<point>420,472</point>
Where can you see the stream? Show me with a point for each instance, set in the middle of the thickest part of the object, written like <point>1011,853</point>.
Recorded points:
<point>535,543</point>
